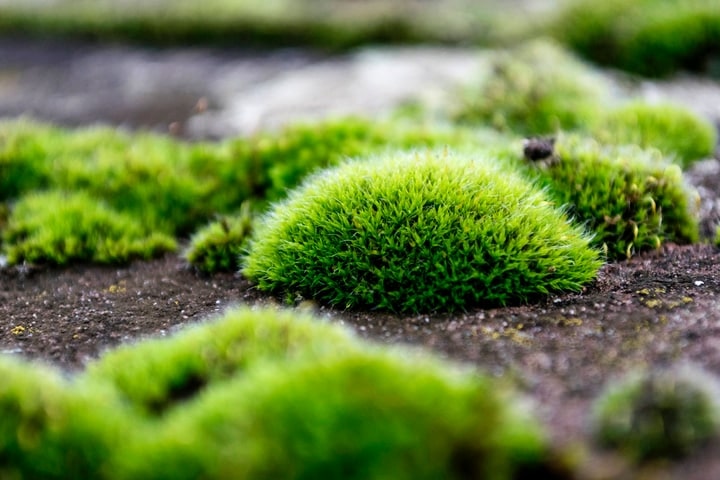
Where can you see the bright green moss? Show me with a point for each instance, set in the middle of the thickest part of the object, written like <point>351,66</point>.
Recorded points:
<point>55,429</point>
<point>59,228</point>
<point>633,200</point>
<point>650,37</point>
<point>534,89</point>
<point>356,413</point>
<point>672,129</point>
<point>278,162</point>
<point>327,24</point>
<point>23,154</point>
<point>218,246</point>
<point>147,176</point>
<point>666,413</point>
<point>419,232</point>
<point>158,374</point>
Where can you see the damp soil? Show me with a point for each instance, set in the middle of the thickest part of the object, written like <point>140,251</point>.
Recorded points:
<point>655,309</point>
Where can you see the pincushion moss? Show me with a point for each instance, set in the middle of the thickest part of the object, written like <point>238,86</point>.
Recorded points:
<point>632,199</point>
<point>665,413</point>
<point>263,393</point>
<point>219,245</point>
<point>158,374</point>
<point>672,129</point>
<point>51,428</point>
<point>343,410</point>
<point>58,228</point>
<point>534,89</point>
<point>419,232</point>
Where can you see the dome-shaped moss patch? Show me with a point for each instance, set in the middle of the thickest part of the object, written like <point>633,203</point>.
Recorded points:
<point>656,414</point>
<point>419,232</point>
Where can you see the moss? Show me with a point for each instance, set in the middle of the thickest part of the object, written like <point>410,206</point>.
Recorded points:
<point>276,163</point>
<point>534,89</point>
<point>658,414</point>
<point>23,153</point>
<point>419,232</point>
<point>59,228</point>
<point>650,37</point>
<point>157,375</point>
<point>633,200</point>
<point>327,24</point>
<point>357,413</point>
<point>218,246</point>
<point>148,176</point>
<point>51,428</point>
<point>672,129</point>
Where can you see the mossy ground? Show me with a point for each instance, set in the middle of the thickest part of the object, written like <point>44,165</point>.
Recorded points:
<point>362,234</point>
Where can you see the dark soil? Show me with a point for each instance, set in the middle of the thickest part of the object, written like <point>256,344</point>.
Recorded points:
<point>655,309</point>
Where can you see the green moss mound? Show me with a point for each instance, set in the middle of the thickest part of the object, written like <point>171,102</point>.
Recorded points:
<point>263,393</point>
<point>353,414</point>
<point>649,37</point>
<point>218,246</point>
<point>157,375</point>
<point>419,232</point>
<point>278,162</point>
<point>672,129</point>
<point>534,89</point>
<point>633,200</point>
<point>54,429</point>
<point>59,228</point>
<point>662,414</point>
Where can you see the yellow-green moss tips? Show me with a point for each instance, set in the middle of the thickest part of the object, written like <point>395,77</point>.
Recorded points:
<point>664,413</point>
<point>425,231</point>
<point>672,129</point>
<point>633,200</point>
<point>218,246</point>
<point>534,89</point>
<point>59,228</point>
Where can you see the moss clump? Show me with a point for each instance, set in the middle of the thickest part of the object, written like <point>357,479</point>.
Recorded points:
<point>276,163</point>
<point>156,375</point>
<point>672,129</point>
<point>58,228</point>
<point>53,429</point>
<point>658,414</point>
<point>352,413</point>
<point>262,394</point>
<point>650,37</point>
<point>218,246</point>
<point>419,232</point>
<point>534,89</point>
<point>632,199</point>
